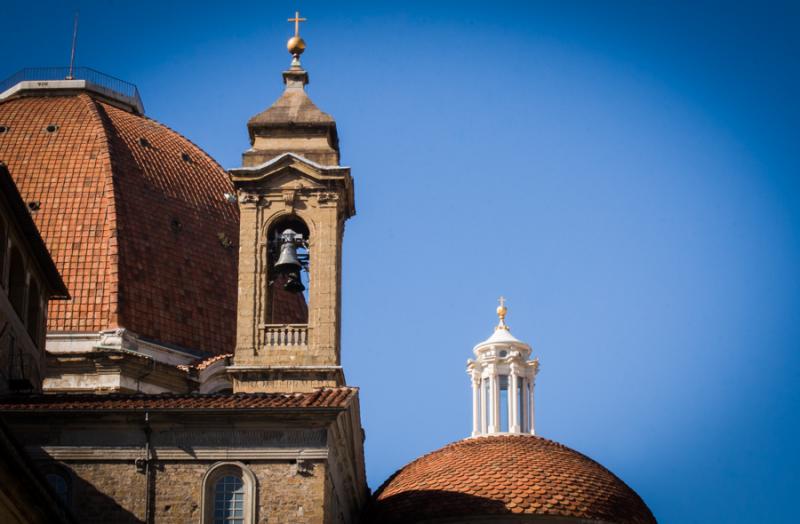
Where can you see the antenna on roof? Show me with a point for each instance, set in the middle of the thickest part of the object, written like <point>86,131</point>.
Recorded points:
<point>74,43</point>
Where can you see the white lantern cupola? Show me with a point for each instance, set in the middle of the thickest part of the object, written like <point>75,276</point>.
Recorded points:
<point>503,379</point>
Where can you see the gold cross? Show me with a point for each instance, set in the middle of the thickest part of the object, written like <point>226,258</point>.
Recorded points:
<point>297,21</point>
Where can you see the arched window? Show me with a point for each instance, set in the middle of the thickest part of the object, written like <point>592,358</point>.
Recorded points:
<point>60,484</point>
<point>16,281</point>
<point>34,311</point>
<point>229,490</point>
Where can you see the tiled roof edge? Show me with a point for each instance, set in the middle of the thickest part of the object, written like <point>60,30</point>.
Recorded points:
<point>53,402</point>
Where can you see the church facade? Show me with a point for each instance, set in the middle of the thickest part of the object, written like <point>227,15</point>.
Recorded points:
<point>263,429</point>
<point>194,374</point>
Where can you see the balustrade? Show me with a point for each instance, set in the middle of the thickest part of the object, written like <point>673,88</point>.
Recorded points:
<point>276,335</point>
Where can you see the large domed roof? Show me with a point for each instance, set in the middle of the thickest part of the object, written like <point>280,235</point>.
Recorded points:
<point>134,216</point>
<point>512,475</point>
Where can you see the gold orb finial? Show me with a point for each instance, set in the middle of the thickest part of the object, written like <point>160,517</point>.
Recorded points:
<point>296,45</point>
<point>501,313</point>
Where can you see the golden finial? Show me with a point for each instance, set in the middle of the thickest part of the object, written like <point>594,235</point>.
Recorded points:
<point>296,45</point>
<point>501,313</point>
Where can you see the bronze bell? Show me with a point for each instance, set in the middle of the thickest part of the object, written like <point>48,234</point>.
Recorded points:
<point>293,282</point>
<point>288,263</point>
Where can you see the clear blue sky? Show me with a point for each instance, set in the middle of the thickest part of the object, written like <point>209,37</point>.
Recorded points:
<point>625,173</point>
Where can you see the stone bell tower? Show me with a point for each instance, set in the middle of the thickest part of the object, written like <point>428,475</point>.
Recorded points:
<point>294,199</point>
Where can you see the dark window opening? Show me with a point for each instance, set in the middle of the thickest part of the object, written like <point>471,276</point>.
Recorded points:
<point>288,286</point>
<point>3,246</point>
<point>504,404</point>
<point>16,282</point>
<point>34,312</point>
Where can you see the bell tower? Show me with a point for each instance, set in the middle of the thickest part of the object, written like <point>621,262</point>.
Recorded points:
<point>294,199</point>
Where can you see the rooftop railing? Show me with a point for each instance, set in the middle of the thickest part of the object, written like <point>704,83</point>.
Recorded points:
<point>78,73</point>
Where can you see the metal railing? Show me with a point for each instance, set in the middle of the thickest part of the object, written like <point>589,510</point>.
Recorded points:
<point>79,73</point>
<point>285,334</point>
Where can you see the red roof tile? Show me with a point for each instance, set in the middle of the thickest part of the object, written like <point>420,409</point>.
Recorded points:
<point>207,362</point>
<point>503,475</point>
<point>134,216</point>
<point>335,398</point>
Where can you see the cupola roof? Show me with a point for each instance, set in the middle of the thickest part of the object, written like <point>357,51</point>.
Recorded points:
<point>502,333</point>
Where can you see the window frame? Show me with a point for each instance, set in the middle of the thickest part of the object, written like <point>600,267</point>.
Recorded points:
<point>215,473</point>
<point>66,475</point>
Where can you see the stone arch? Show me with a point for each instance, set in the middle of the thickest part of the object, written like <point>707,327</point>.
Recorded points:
<point>286,307</point>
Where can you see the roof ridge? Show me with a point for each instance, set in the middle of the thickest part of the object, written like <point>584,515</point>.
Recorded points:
<point>111,222</point>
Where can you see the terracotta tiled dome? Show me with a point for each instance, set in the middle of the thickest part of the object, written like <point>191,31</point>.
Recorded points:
<point>506,475</point>
<point>134,216</point>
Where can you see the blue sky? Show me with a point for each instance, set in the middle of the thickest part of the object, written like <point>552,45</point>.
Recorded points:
<point>625,173</point>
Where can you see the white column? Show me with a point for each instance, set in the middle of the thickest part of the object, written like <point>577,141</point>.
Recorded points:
<point>513,400</point>
<point>494,401</point>
<point>524,407</point>
<point>532,411</point>
<point>484,406</point>
<point>476,405</point>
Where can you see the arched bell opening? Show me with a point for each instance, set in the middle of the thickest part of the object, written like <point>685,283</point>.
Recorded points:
<point>288,272</point>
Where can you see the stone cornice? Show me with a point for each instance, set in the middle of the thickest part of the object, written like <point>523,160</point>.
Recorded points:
<point>94,453</point>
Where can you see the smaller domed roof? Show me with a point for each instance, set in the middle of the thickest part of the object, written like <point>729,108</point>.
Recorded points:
<point>500,336</point>
<point>506,475</point>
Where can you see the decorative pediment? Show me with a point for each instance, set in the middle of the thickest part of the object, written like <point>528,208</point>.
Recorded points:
<point>291,172</point>
<point>292,165</point>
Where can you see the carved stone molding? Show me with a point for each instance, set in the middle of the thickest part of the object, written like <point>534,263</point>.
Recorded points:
<point>87,453</point>
<point>289,196</point>
<point>247,198</point>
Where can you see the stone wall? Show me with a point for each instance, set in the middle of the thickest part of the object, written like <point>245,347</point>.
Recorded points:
<point>306,466</point>
<point>288,496</point>
<point>104,492</point>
